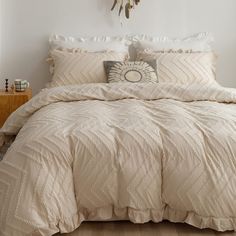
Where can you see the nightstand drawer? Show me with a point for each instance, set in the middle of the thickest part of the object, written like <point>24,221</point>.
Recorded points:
<point>5,109</point>
<point>17,101</point>
<point>4,103</point>
<point>10,101</point>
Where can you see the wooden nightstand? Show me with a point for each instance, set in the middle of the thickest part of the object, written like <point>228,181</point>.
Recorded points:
<point>10,101</point>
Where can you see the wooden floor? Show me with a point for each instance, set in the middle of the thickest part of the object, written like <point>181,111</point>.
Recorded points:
<point>150,229</point>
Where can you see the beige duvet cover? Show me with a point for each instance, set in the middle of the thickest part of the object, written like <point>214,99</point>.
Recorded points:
<point>120,151</point>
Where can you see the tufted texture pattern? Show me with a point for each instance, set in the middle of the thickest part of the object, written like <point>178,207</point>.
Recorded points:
<point>183,68</point>
<point>81,67</point>
<point>120,151</point>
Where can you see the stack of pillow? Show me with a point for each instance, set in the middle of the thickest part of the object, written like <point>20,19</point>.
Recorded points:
<point>106,59</point>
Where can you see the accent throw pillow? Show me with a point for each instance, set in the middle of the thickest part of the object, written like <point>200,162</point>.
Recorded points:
<point>183,68</point>
<point>131,71</point>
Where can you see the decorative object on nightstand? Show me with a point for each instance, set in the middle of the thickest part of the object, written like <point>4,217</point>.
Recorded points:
<point>10,101</point>
<point>21,85</point>
<point>6,85</point>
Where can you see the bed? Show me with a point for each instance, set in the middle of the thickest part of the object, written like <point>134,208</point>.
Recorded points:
<point>120,151</point>
<point>148,153</point>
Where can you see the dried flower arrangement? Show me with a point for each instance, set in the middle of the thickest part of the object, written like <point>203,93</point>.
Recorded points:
<point>126,5</point>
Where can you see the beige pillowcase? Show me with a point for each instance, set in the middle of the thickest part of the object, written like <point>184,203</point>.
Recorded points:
<point>183,68</point>
<point>81,67</point>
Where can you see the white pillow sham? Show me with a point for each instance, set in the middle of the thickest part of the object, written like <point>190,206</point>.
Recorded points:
<point>92,44</point>
<point>201,42</point>
<point>81,67</point>
<point>183,68</point>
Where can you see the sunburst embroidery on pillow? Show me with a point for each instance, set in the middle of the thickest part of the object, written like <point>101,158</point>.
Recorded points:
<point>134,72</point>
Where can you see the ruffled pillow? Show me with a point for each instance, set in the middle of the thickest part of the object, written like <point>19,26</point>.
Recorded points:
<point>81,67</point>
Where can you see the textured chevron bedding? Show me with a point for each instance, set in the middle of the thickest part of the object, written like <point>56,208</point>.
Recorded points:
<point>138,152</point>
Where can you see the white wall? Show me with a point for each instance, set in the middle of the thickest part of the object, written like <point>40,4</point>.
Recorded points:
<point>27,24</point>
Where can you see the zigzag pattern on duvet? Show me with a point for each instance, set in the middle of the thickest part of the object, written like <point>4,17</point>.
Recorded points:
<point>120,157</point>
